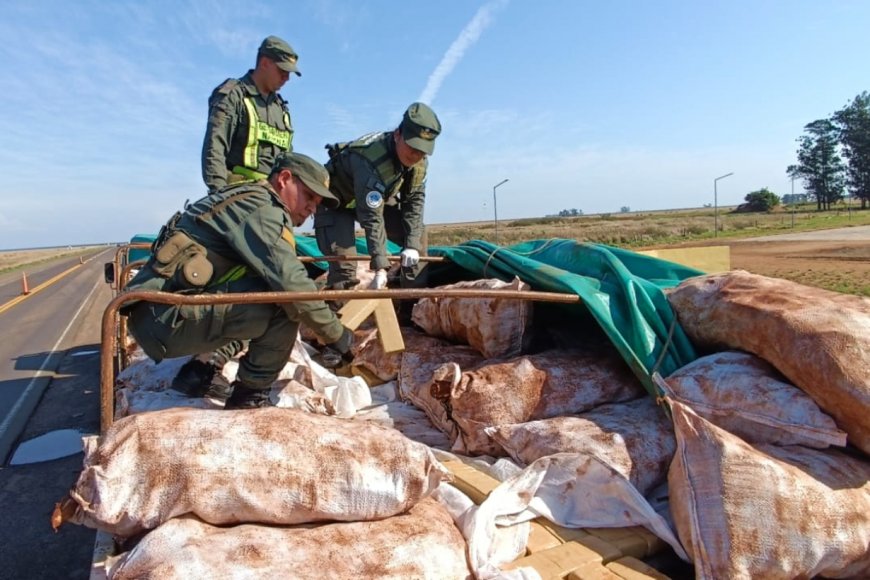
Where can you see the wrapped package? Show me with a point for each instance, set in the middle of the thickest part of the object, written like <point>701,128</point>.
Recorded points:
<point>765,511</point>
<point>269,465</point>
<point>422,543</point>
<point>746,396</point>
<point>494,327</point>
<point>369,353</point>
<point>819,340</point>
<point>635,439</point>
<point>550,384</point>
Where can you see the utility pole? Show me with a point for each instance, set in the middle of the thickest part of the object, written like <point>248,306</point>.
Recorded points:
<point>716,204</point>
<point>495,206</point>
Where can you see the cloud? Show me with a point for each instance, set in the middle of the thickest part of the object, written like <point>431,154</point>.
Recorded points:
<point>454,54</point>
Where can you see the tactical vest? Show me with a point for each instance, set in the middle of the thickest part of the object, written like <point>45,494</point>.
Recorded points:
<point>261,131</point>
<point>372,147</point>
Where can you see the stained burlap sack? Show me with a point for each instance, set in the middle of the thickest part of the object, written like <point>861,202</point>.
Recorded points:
<point>819,340</point>
<point>420,362</point>
<point>550,384</point>
<point>767,511</point>
<point>746,396</point>
<point>421,543</point>
<point>270,465</point>
<point>493,326</point>
<point>635,438</point>
<point>369,353</point>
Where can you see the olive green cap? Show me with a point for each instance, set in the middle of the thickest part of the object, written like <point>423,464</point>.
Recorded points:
<point>312,174</point>
<point>280,52</point>
<point>419,127</point>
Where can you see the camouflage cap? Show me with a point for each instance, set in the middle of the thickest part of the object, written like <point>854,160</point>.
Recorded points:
<point>280,52</point>
<point>312,174</point>
<point>419,127</point>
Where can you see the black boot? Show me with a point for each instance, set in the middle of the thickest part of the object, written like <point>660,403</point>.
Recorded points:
<point>219,390</point>
<point>246,398</point>
<point>194,377</point>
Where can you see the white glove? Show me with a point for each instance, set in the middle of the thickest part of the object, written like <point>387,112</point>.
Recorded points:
<point>379,282</point>
<point>410,257</point>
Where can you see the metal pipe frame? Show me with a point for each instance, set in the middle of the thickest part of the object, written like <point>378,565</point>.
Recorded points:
<point>109,339</point>
<point>125,250</point>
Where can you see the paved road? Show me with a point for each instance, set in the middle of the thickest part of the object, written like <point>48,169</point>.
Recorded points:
<point>49,380</point>
<point>861,233</point>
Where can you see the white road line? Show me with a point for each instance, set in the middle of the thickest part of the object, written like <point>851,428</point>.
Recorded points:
<point>17,406</point>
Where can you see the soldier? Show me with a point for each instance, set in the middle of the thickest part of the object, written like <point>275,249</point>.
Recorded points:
<point>248,121</point>
<point>380,181</point>
<point>238,240</point>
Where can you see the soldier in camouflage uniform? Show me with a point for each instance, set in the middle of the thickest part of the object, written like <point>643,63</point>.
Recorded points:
<point>248,121</point>
<point>380,181</point>
<point>238,240</point>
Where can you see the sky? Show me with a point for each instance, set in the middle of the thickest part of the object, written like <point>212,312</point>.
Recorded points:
<point>581,105</point>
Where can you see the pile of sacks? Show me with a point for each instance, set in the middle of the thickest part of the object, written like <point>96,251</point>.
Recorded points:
<point>272,492</point>
<point>740,443</point>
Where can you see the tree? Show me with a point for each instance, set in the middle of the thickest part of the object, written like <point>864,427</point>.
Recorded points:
<point>853,125</point>
<point>625,209</point>
<point>819,165</point>
<point>761,200</point>
<point>574,212</point>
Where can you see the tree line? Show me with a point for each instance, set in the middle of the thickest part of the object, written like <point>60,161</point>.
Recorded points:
<point>825,175</point>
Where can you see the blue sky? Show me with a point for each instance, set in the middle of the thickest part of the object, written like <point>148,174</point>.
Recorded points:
<point>587,105</point>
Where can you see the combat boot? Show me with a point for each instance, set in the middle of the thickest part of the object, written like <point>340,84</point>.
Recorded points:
<point>194,377</point>
<point>247,398</point>
<point>219,391</point>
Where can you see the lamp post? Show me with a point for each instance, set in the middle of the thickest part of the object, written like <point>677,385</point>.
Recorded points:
<point>495,206</point>
<point>716,204</point>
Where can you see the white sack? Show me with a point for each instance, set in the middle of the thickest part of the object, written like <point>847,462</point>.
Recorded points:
<point>767,511</point>
<point>269,465</point>
<point>636,439</point>
<point>746,396</point>
<point>422,543</point>
<point>494,327</point>
<point>820,340</point>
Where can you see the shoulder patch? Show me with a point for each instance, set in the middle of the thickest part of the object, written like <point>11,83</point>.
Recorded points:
<point>374,199</point>
<point>288,237</point>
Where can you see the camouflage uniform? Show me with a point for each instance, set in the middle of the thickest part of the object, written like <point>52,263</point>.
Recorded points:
<point>386,198</point>
<point>241,240</point>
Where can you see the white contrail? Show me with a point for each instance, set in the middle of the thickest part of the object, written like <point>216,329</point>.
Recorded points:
<point>454,54</point>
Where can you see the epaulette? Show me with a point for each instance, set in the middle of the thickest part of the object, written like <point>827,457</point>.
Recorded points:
<point>227,86</point>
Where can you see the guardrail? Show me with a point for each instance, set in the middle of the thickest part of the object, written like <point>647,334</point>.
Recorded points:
<point>110,339</point>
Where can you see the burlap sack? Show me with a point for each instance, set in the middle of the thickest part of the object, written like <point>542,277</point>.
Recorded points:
<point>270,465</point>
<point>493,326</point>
<point>819,340</point>
<point>422,543</point>
<point>550,384</point>
<point>767,511</point>
<point>636,439</point>
<point>420,363</point>
<point>746,396</point>
<point>369,353</point>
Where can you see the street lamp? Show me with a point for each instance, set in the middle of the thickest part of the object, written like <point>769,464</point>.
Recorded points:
<point>716,204</point>
<point>495,206</point>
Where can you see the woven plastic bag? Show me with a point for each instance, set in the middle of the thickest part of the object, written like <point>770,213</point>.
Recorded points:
<point>767,511</point>
<point>422,543</point>
<point>494,327</point>
<point>270,465</point>
<point>820,340</point>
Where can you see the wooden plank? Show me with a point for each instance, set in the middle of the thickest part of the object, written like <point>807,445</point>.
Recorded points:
<point>709,259</point>
<point>388,327</point>
<point>355,312</point>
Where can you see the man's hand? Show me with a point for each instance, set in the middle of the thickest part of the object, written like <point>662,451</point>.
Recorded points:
<point>410,257</point>
<point>342,345</point>
<point>379,282</point>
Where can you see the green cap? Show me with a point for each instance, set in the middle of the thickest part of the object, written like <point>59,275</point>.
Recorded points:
<point>312,174</point>
<point>419,127</point>
<point>281,52</point>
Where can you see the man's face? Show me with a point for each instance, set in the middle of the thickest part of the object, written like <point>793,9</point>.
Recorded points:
<point>300,200</point>
<point>408,156</point>
<point>275,75</point>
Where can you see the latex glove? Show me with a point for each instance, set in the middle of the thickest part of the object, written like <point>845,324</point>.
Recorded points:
<point>380,280</point>
<point>410,257</point>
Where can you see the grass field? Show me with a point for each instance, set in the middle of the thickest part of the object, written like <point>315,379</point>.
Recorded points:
<point>11,260</point>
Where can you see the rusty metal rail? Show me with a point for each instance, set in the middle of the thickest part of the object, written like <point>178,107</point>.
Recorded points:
<point>124,249</point>
<point>109,338</point>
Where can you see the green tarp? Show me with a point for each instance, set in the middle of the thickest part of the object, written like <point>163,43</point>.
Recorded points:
<point>620,289</point>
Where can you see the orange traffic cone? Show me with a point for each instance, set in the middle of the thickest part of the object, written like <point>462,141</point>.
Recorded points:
<point>24,288</point>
